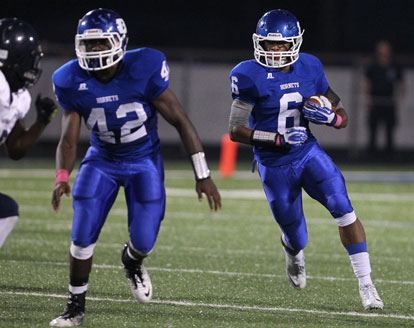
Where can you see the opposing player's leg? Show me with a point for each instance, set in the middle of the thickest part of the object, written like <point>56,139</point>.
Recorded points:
<point>284,195</point>
<point>9,214</point>
<point>93,195</point>
<point>323,181</point>
<point>145,195</point>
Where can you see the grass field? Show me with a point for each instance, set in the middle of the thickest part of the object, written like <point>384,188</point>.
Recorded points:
<point>209,269</point>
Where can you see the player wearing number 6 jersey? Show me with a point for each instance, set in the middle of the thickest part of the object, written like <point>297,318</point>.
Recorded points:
<point>118,94</point>
<point>268,112</point>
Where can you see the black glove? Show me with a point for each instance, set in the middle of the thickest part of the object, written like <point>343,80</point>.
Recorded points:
<point>46,109</point>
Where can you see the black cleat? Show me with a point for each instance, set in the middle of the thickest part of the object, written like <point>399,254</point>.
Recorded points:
<point>74,312</point>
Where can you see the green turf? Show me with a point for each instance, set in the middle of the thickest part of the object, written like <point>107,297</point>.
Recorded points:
<point>208,269</point>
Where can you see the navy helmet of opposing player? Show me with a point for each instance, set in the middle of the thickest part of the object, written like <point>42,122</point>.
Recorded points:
<point>101,24</point>
<point>20,50</point>
<point>277,25</point>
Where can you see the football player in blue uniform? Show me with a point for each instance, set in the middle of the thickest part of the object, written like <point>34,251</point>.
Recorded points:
<point>268,112</point>
<point>20,54</point>
<point>118,93</point>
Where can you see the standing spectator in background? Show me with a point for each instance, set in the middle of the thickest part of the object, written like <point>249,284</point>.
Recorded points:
<point>383,87</point>
<point>20,54</point>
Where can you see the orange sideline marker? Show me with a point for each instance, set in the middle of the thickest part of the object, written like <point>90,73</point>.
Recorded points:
<point>228,156</point>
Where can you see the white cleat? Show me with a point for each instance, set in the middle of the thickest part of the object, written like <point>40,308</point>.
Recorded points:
<point>370,298</point>
<point>140,282</point>
<point>295,269</point>
<point>138,277</point>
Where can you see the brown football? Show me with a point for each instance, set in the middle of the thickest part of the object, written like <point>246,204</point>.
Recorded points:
<point>318,101</point>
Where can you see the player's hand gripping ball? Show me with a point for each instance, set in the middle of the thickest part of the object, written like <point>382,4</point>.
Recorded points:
<point>319,109</point>
<point>321,101</point>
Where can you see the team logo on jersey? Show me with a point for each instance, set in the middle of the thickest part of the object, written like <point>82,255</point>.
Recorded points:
<point>83,86</point>
<point>289,85</point>
<point>270,76</point>
<point>106,99</point>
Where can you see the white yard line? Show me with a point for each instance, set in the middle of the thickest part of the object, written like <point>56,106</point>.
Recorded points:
<point>248,194</point>
<point>214,272</point>
<point>225,306</point>
<point>28,242</point>
<point>201,216</point>
<point>361,176</point>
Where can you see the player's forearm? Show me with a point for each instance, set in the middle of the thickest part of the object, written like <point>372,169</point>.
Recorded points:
<point>65,155</point>
<point>189,137</point>
<point>20,140</point>
<point>241,134</point>
<point>66,150</point>
<point>194,148</point>
<point>340,111</point>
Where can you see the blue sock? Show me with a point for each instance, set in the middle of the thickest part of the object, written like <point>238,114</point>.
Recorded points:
<point>357,248</point>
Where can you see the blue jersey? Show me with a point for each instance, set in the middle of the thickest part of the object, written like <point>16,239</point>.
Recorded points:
<point>120,115</point>
<point>278,101</point>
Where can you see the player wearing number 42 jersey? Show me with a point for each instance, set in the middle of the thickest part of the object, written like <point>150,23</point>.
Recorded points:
<point>268,112</point>
<point>118,94</point>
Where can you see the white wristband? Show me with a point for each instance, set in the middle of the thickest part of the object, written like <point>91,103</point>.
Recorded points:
<point>200,167</point>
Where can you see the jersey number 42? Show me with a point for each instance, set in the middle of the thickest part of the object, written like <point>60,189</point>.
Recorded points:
<point>97,117</point>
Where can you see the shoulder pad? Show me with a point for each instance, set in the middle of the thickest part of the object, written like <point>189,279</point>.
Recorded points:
<point>65,75</point>
<point>309,59</point>
<point>245,78</point>
<point>248,67</point>
<point>143,60</point>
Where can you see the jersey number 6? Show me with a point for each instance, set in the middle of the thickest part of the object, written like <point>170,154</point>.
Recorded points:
<point>286,112</point>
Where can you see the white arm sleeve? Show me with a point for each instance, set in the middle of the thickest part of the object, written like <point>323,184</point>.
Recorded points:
<point>240,113</point>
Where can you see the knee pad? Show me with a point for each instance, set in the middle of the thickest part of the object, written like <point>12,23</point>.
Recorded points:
<point>81,253</point>
<point>8,206</point>
<point>346,219</point>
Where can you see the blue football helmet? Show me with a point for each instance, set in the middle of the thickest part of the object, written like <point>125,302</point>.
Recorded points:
<point>101,24</point>
<point>277,25</point>
<point>20,50</point>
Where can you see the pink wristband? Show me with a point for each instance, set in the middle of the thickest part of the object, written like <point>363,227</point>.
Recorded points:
<point>338,121</point>
<point>278,141</point>
<point>62,175</point>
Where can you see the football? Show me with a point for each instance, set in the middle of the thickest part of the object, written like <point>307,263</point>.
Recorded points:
<point>321,101</point>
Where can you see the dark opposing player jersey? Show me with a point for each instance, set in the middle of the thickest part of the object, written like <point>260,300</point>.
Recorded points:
<point>278,100</point>
<point>122,120</point>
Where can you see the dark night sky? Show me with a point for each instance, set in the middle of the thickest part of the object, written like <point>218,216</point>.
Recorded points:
<point>347,26</point>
